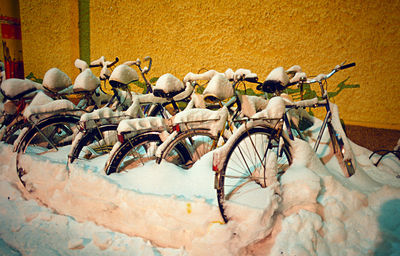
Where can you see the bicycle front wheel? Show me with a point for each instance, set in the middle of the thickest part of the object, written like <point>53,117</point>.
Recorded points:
<point>251,165</point>
<point>47,136</point>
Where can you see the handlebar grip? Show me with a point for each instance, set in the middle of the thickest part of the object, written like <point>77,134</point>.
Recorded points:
<point>148,58</point>
<point>347,66</point>
<point>113,63</point>
<point>94,66</point>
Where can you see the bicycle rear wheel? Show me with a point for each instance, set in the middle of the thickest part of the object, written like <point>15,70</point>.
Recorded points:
<point>134,152</point>
<point>47,136</point>
<point>98,141</point>
<point>338,149</point>
<point>195,143</point>
<point>251,164</point>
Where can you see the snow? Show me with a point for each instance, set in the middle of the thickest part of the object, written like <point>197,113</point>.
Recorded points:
<point>165,210</point>
<point>196,118</point>
<point>43,104</point>
<point>191,77</point>
<point>168,83</point>
<point>81,64</point>
<point>14,86</point>
<point>55,80</point>
<point>298,77</point>
<point>278,74</point>
<point>124,74</point>
<point>141,124</point>
<point>86,81</point>
<point>219,87</point>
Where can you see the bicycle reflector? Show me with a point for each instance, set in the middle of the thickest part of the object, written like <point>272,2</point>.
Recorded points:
<point>176,128</point>
<point>120,137</point>
<point>82,126</point>
<point>215,168</point>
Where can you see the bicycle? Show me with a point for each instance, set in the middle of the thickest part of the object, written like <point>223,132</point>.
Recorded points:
<point>138,136</point>
<point>98,130</point>
<point>191,136</point>
<point>260,151</point>
<point>50,126</point>
<point>201,133</point>
<point>57,85</point>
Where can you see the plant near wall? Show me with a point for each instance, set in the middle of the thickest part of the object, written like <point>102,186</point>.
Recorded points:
<point>32,77</point>
<point>142,87</point>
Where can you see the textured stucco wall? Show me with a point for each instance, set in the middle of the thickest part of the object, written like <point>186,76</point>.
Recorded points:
<point>50,36</point>
<point>186,35</point>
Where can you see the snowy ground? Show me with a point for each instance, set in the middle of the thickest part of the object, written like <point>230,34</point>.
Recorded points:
<point>163,210</point>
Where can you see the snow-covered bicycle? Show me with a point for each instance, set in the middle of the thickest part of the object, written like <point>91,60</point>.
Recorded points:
<point>52,123</point>
<point>200,131</point>
<point>188,135</point>
<point>97,130</point>
<point>260,150</point>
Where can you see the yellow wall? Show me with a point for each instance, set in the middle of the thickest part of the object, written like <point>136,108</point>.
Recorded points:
<point>186,35</point>
<point>50,36</point>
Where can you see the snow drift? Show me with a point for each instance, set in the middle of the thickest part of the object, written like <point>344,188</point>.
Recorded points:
<point>165,210</point>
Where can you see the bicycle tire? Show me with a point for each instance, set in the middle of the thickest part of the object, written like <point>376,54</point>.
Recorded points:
<point>58,129</point>
<point>124,159</point>
<point>338,148</point>
<point>96,134</point>
<point>197,142</point>
<point>238,185</point>
<point>11,134</point>
<point>91,137</point>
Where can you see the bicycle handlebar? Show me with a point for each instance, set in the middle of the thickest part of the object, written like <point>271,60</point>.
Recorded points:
<point>321,77</point>
<point>102,62</point>
<point>113,63</point>
<point>147,69</point>
<point>347,66</point>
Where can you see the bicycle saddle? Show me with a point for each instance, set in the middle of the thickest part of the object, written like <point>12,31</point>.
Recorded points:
<point>55,80</point>
<point>168,86</point>
<point>122,75</point>
<point>218,89</point>
<point>15,88</point>
<point>277,80</point>
<point>86,81</point>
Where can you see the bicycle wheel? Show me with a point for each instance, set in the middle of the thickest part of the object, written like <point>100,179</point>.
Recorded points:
<point>136,151</point>
<point>338,149</point>
<point>195,143</point>
<point>12,133</point>
<point>250,165</point>
<point>49,134</point>
<point>98,141</point>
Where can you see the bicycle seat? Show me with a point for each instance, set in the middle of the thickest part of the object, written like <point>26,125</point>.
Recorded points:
<point>277,80</point>
<point>168,86</point>
<point>86,81</point>
<point>122,75</point>
<point>55,80</point>
<point>15,88</point>
<point>218,89</point>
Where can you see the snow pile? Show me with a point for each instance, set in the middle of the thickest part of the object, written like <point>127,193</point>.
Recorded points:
<point>86,81</point>
<point>314,210</point>
<point>81,64</point>
<point>219,87</point>
<point>123,74</point>
<point>169,84</point>
<point>14,88</point>
<point>107,115</point>
<point>196,118</point>
<point>55,80</point>
<point>43,104</point>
